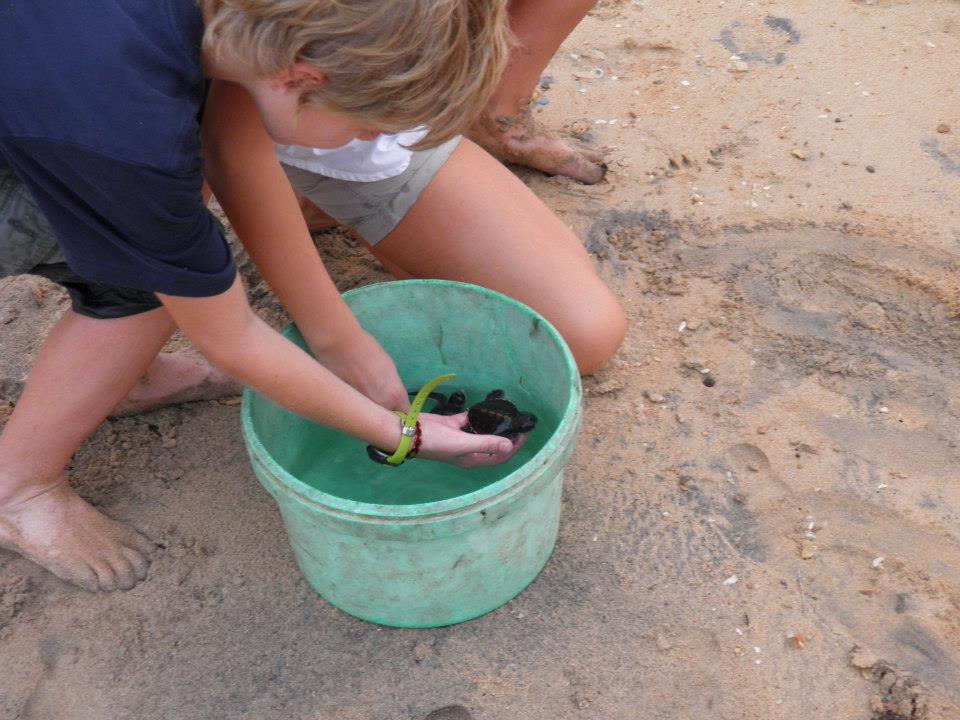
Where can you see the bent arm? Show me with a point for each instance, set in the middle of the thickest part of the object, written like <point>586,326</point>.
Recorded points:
<point>246,178</point>
<point>231,336</point>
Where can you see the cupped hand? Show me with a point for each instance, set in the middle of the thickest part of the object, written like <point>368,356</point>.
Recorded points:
<point>365,365</point>
<point>443,440</point>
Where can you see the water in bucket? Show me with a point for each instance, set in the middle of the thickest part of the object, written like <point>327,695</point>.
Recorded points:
<point>338,464</point>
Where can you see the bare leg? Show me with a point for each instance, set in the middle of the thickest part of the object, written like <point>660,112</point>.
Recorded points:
<point>507,129</point>
<point>84,369</point>
<point>493,231</point>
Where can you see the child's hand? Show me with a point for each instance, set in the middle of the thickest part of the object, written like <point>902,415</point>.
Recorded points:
<point>444,440</point>
<point>365,365</point>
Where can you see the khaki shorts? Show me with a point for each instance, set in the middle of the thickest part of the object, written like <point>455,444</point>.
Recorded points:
<point>375,208</point>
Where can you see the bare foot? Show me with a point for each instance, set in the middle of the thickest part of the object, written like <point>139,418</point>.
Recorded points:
<point>177,377</point>
<point>61,532</point>
<point>521,140</point>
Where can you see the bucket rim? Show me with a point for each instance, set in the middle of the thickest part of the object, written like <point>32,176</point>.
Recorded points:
<point>568,424</point>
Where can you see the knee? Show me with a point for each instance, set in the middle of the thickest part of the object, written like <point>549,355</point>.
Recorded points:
<point>596,331</point>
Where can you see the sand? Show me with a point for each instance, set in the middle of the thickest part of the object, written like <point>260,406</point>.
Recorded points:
<point>781,543</point>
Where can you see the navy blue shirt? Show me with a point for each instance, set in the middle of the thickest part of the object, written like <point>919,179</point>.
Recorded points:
<point>99,104</point>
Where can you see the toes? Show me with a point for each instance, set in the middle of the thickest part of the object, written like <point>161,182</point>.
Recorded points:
<point>587,152</point>
<point>82,576</point>
<point>123,572</point>
<point>138,562</point>
<point>106,580</point>
<point>587,171</point>
<point>138,542</point>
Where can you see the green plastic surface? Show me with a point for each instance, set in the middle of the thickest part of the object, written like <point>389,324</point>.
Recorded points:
<point>427,544</point>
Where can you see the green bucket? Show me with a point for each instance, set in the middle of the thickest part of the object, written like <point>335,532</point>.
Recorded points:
<point>427,544</point>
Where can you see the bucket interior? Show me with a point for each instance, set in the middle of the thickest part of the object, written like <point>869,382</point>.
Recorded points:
<point>430,328</point>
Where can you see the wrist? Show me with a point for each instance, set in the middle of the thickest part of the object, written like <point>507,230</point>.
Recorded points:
<point>388,432</point>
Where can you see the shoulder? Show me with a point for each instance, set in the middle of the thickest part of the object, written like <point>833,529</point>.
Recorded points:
<point>125,78</point>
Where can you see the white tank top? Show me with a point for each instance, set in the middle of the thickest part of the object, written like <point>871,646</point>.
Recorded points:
<point>384,157</point>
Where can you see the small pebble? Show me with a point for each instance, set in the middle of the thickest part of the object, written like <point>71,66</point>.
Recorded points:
<point>798,154</point>
<point>422,651</point>
<point>863,659</point>
<point>877,563</point>
<point>732,580</point>
<point>871,169</point>
<point>593,54</point>
<point>943,128</point>
<point>594,74</point>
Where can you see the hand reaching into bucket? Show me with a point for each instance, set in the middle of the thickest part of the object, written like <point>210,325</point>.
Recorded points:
<point>444,440</point>
<point>362,363</point>
<point>488,433</point>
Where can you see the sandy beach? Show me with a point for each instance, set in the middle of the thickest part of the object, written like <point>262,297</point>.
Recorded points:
<point>760,520</point>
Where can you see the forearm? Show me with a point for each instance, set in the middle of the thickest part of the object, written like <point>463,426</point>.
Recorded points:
<point>257,198</point>
<point>277,368</point>
<point>236,340</point>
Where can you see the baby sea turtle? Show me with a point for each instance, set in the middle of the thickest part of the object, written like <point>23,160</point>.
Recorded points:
<point>495,415</point>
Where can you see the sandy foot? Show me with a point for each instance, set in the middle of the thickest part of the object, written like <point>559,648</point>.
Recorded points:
<point>64,534</point>
<point>521,140</point>
<point>177,377</point>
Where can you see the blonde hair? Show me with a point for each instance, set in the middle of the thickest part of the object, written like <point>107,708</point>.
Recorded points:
<point>397,64</point>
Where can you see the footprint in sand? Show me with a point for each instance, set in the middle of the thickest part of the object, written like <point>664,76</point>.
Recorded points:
<point>764,44</point>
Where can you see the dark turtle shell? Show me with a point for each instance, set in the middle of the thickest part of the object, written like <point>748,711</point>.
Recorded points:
<point>498,416</point>
<point>494,415</point>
